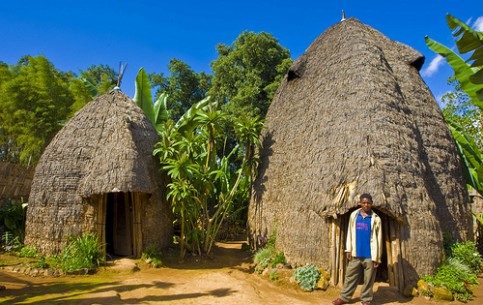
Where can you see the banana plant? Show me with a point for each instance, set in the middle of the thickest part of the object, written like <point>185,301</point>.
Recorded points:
<point>469,74</point>
<point>157,113</point>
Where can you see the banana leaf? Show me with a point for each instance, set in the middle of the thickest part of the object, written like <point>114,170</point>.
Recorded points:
<point>142,96</point>
<point>463,71</point>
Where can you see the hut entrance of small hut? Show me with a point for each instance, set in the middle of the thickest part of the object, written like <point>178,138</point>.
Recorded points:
<point>120,224</point>
<point>390,269</point>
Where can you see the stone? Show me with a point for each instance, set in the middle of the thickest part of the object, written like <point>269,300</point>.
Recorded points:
<point>410,291</point>
<point>441,293</point>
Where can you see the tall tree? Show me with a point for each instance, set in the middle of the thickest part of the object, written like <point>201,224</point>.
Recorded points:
<point>33,102</point>
<point>247,73</point>
<point>90,83</point>
<point>184,86</point>
<point>458,108</point>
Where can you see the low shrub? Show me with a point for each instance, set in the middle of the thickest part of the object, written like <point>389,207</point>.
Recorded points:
<point>459,273</point>
<point>28,252</point>
<point>84,252</point>
<point>468,254</point>
<point>307,277</point>
<point>152,256</point>
<point>10,242</point>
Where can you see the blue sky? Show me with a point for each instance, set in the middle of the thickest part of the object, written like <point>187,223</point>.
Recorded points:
<point>74,35</point>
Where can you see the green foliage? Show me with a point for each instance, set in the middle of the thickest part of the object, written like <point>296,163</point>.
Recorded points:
<point>152,256</point>
<point>458,108</point>
<point>205,179</point>
<point>41,263</point>
<point>10,242</point>
<point>268,256</point>
<point>470,78</point>
<point>184,87</point>
<point>274,275</point>
<point>157,113</point>
<point>460,271</point>
<point>455,280</point>
<point>89,84</point>
<point>35,98</point>
<point>247,73</point>
<point>28,252</point>
<point>12,217</point>
<point>467,253</point>
<point>83,252</point>
<point>307,277</point>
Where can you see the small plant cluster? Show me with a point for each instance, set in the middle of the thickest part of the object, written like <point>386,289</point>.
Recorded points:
<point>459,273</point>
<point>82,252</point>
<point>152,256</point>
<point>307,277</point>
<point>269,257</point>
<point>12,224</point>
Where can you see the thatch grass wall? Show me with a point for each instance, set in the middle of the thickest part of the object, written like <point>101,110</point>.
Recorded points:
<point>352,116</point>
<point>105,148</point>
<point>15,180</point>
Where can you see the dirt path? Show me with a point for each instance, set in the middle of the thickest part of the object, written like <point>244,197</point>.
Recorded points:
<point>226,280</point>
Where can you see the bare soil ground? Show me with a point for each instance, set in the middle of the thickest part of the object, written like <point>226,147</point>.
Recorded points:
<point>226,279</point>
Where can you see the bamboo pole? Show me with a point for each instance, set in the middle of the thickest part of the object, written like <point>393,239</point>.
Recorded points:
<point>337,249</point>
<point>394,252</point>
<point>341,235</point>
<point>333,254</point>
<point>390,263</point>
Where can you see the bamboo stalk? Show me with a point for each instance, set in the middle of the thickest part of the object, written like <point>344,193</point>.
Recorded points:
<point>333,254</point>
<point>394,252</point>
<point>390,263</point>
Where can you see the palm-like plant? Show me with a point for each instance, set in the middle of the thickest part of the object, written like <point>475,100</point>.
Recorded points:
<point>203,181</point>
<point>470,76</point>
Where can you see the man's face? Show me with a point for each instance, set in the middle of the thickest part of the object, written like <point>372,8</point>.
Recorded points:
<point>366,205</point>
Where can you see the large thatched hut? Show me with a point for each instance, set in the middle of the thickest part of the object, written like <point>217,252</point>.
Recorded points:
<point>98,175</point>
<point>353,116</point>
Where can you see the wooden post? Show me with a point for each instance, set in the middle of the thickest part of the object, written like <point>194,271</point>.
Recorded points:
<point>390,263</point>
<point>333,254</point>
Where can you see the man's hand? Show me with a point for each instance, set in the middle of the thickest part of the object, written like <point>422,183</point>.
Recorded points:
<point>349,255</point>
<point>375,264</point>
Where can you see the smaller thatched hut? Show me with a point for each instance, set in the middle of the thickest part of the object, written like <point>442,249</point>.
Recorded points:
<point>99,175</point>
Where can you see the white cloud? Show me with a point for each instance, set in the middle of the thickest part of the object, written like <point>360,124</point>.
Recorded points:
<point>478,25</point>
<point>434,66</point>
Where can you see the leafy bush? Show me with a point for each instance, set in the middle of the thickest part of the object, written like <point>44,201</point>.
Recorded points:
<point>12,217</point>
<point>460,271</point>
<point>84,252</point>
<point>268,256</point>
<point>468,254</point>
<point>42,263</point>
<point>28,252</point>
<point>152,256</point>
<point>455,280</point>
<point>274,275</point>
<point>10,242</point>
<point>307,277</point>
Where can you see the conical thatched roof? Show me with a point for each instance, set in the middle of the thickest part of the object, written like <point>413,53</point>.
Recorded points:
<point>353,116</point>
<point>105,148</point>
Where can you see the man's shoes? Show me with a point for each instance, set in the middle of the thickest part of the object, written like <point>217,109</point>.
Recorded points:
<point>339,301</point>
<point>365,303</point>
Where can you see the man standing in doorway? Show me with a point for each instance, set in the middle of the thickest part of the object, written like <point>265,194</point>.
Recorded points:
<point>363,248</point>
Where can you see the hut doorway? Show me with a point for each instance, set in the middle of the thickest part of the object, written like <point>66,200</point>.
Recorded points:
<point>119,228</point>
<point>121,219</point>
<point>389,270</point>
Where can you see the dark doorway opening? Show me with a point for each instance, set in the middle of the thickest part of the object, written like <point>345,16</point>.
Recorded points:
<point>119,225</point>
